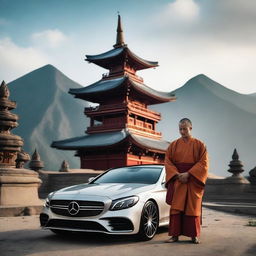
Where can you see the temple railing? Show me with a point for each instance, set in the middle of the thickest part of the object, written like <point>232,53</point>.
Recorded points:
<point>143,110</point>
<point>143,129</point>
<point>131,106</point>
<point>105,107</point>
<point>119,126</point>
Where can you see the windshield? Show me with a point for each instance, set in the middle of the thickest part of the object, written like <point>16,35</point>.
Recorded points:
<point>136,174</point>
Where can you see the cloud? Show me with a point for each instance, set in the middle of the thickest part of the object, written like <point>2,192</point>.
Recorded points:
<point>230,65</point>
<point>49,38</point>
<point>17,61</point>
<point>232,21</point>
<point>183,9</point>
<point>240,11</point>
<point>229,21</point>
<point>219,42</point>
<point>179,12</point>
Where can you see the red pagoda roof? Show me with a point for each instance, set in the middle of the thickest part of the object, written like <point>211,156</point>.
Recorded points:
<point>118,56</point>
<point>96,92</point>
<point>109,139</point>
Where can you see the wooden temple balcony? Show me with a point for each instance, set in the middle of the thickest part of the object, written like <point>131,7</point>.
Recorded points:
<point>115,127</point>
<point>101,109</point>
<point>120,107</point>
<point>143,111</point>
<point>144,131</point>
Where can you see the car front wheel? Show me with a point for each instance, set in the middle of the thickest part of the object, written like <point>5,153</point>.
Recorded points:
<point>149,221</point>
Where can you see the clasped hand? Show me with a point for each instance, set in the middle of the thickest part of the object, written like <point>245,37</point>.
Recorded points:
<point>183,177</point>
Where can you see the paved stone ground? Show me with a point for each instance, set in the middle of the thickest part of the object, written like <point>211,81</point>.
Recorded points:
<point>222,234</point>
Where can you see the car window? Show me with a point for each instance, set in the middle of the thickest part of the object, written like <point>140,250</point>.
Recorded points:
<point>138,174</point>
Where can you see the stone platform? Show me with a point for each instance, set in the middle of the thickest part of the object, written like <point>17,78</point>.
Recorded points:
<point>18,187</point>
<point>20,210</point>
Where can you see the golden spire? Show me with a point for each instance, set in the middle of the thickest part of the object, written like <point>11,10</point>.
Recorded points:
<point>119,35</point>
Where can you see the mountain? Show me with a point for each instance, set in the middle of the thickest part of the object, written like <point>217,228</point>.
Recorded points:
<point>253,94</point>
<point>47,113</point>
<point>222,118</point>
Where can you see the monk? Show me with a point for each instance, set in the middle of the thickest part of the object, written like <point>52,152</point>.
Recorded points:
<point>186,165</point>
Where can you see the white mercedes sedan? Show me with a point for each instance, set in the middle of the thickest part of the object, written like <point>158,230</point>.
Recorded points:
<point>126,200</point>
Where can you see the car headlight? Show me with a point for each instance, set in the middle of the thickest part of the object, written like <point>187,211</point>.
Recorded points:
<point>123,203</point>
<point>47,203</point>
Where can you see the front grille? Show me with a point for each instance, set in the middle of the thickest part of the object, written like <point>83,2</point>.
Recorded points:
<point>120,224</point>
<point>86,208</point>
<point>80,202</point>
<point>75,224</point>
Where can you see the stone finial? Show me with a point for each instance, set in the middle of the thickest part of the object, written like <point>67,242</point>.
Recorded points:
<point>235,155</point>
<point>236,169</point>
<point>36,164</point>
<point>64,166</point>
<point>252,177</point>
<point>22,158</point>
<point>36,156</point>
<point>4,90</point>
<point>235,164</point>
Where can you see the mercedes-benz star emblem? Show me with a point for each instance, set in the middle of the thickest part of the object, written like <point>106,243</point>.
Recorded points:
<point>73,208</point>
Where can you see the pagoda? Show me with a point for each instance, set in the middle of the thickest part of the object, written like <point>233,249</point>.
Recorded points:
<point>122,128</point>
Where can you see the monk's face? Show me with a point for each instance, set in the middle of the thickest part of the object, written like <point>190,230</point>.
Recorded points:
<point>185,130</point>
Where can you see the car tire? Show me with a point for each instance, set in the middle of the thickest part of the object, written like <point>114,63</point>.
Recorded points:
<point>149,221</point>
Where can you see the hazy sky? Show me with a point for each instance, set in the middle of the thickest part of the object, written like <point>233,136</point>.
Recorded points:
<point>187,38</point>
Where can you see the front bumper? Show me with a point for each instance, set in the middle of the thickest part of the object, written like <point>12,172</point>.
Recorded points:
<point>126,221</point>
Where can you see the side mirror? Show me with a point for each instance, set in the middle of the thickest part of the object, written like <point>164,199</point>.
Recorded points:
<point>91,179</point>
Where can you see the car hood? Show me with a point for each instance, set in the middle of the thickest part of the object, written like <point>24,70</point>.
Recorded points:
<point>110,190</point>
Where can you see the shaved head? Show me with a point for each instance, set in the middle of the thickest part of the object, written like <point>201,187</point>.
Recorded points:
<point>185,121</point>
<point>185,128</point>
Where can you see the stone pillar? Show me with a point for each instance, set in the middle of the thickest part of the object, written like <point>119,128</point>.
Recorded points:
<point>18,186</point>
<point>236,168</point>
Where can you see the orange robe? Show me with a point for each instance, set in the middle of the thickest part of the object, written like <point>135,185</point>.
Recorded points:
<point>187,197</point>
